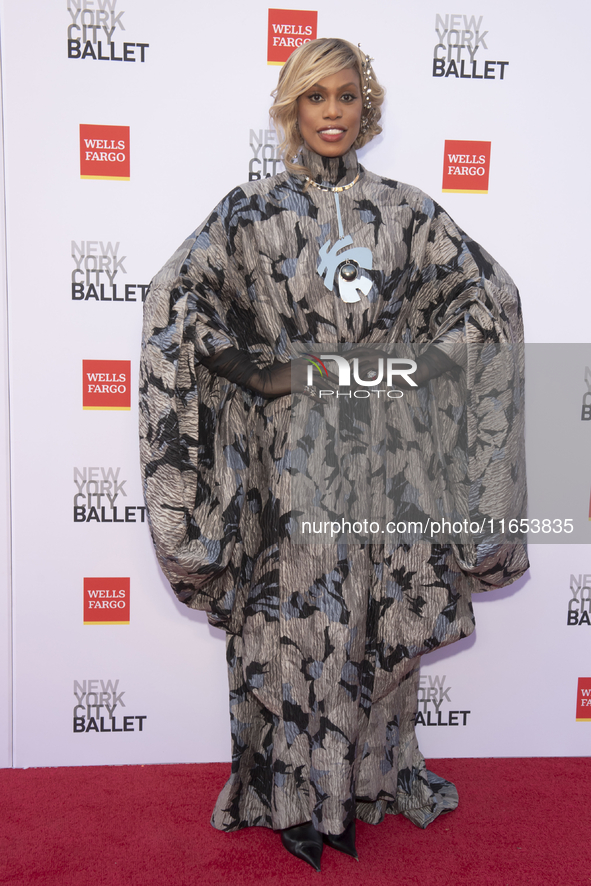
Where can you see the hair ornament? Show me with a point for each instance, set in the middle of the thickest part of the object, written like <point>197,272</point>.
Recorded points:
<point>367,76</point>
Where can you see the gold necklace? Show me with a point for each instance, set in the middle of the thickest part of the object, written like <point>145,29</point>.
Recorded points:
<point>310,181</point>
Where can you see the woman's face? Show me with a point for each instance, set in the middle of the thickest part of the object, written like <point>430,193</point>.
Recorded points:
<point>329,113</point>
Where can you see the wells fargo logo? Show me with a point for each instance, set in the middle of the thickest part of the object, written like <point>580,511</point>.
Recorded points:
<point>584,700</point>
<point>465,167</point>
<point>106,384</point>
<point>106,601</point>
<point>288,29</point>
<point>104,152</point>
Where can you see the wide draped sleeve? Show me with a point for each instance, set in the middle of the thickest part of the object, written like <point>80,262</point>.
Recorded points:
<point>459,286</point>
<point>193,425</point>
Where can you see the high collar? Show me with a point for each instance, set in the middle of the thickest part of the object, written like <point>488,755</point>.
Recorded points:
<point>330,171</point>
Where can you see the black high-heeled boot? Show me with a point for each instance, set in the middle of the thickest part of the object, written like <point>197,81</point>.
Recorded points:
<point>344,842</point>
<point>304,842</point>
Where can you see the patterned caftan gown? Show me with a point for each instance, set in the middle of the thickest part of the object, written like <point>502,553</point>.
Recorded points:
<point>324,641</point>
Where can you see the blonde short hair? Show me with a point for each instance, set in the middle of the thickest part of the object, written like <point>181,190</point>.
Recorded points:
<point>309,64</point>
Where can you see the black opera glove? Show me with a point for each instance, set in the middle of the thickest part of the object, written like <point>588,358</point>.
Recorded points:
<point>280,379</point>
<point>277,380</point>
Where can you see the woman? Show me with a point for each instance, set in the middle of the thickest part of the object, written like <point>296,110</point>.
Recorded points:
<point>324,641</point>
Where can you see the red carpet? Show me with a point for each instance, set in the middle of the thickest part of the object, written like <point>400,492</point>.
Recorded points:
<point>519,822</point>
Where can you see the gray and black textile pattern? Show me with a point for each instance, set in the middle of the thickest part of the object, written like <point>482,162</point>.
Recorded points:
<point>323,642</point>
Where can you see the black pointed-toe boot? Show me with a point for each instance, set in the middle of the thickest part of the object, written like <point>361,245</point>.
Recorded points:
<point>344,842</point>
<point>304,842</point>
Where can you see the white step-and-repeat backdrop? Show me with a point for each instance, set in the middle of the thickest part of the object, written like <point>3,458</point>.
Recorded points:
<point>125,122</point>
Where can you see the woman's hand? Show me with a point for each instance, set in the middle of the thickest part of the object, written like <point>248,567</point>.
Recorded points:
<point>282,379</point>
